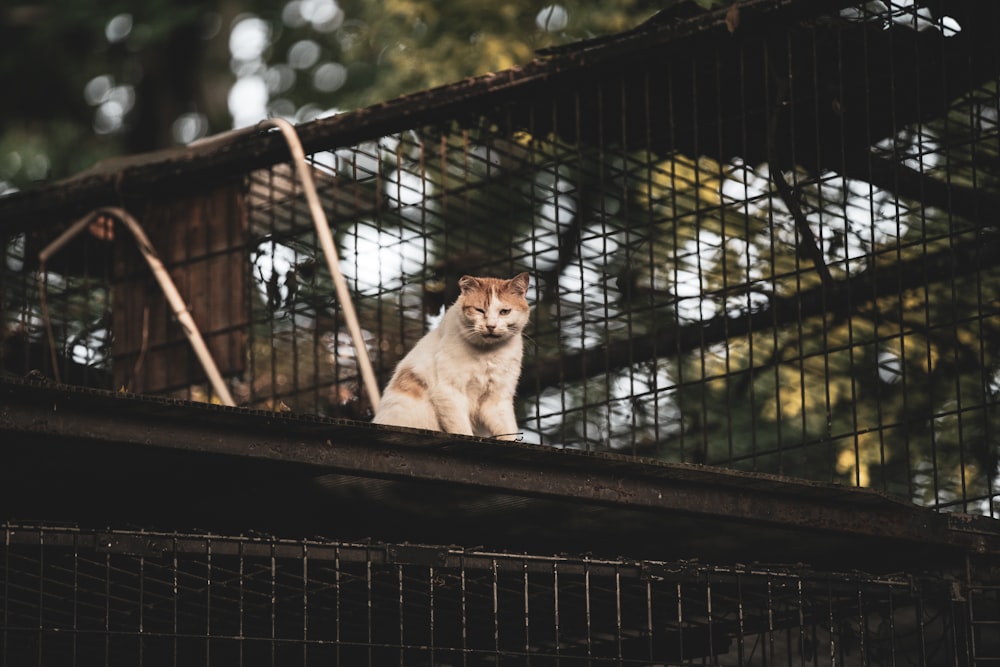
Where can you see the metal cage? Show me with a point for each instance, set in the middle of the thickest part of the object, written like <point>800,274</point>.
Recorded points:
<point>134,597</point>
<point>765,244</point>
<point>761,239</point>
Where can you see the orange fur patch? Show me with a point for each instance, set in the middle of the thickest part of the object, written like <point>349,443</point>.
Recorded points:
<point>479,292</point>
<point>408,382</point>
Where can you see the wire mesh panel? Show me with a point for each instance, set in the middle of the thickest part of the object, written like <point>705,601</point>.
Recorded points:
<point>125,597</point>
<point>766,245</point>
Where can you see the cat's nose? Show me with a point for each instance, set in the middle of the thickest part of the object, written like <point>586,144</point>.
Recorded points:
<point>491,327</point>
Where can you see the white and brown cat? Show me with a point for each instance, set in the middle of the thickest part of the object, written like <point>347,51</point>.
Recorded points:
<point>461,376</point>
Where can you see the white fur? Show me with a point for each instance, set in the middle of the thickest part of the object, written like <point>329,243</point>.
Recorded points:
<point>468,372</point>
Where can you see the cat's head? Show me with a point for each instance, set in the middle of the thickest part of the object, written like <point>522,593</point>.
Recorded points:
<point>493,310</point>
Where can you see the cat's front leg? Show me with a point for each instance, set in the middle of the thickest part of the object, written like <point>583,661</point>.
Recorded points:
<point>452,409</point>
<point>498,419</point>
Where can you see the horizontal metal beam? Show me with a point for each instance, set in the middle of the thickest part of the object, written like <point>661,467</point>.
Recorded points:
<point>34,417</point>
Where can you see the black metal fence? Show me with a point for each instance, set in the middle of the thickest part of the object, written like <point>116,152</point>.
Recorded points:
<point>133,597</point>
<point>771,247</point>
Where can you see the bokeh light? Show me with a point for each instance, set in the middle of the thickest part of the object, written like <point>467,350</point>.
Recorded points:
<point>553,18</point>
<point>329,77</point>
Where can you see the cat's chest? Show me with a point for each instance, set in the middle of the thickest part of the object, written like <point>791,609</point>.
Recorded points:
<point>477,373</point>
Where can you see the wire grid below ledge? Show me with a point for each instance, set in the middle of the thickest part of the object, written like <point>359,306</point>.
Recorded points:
<point>149,599</point>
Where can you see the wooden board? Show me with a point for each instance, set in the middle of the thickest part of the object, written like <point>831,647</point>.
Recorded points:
<point>202,240</point>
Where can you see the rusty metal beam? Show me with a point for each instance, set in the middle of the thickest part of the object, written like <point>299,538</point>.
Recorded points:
<point>60,430</point>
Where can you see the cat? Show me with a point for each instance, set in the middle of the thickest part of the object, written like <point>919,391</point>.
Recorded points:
<point>462,375</point>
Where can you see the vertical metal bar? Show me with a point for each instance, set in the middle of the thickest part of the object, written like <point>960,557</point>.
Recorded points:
<point>142,609</point>
<point>41,596</point>
<point>709,616</point>
<point>555,609</point>
<point>402,636</point>
<point>770,110</point>
<point>241,603</point>
<point>370,609</point>
<point>587,602</point>
<point>562,238</point>
<point>496,610</point>
<point>831,624</point>
<point>43,280</point>
<point>273,644</point>
<point>800,607</point>
<point>580,220</point>
<point>724,261</point>
<point>971,651</point>
<point>76,597</point>
<point>618,612</point>
<point>671,94</point>
<point>249,295</point>
<point>305,603</point>
<point>700,270</point>
<point>920,622</point>
<point>174,592</point>
<point>842,76</point>
<point>740,622</point>
<point>431,640</point>
<point>272,324</point>
<point>770,617</point>
<point>827,434</point>
<point>650,255</point>
<point>862,626</point>
<point>337,636</point>
<point>541,290</point>
<point>650,638</point>
<point>749,259</point>
<point>208,601</point>
<point>623,207</point>
<point>556,290</point>
<point>426,234</point>
<point>790,65</point>
<point>527,628</point>
<point>5,601</point>
<point>466,171</point>
<point>680,624</point>
<point>989,474</point>
<point>107,607</point>
<point>293,339</point>
<point>890,622</point>
<point>899,314</point>
<point>464,612</point>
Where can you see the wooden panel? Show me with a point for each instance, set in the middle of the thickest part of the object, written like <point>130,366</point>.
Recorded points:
<point>202,240</point>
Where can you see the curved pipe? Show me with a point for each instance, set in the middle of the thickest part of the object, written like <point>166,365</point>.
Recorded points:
<point>330,251</point>
<point>162,277</point>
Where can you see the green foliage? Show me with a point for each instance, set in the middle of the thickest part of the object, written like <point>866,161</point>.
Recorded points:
<point>170,60</point>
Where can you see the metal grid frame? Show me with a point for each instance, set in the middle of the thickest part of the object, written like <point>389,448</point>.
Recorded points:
<point>76,596</point>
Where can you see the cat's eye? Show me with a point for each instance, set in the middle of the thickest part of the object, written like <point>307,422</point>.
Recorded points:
<point>480,311</point>
<point>505,311</point>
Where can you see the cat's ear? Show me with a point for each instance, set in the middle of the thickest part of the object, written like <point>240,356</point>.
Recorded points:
<point>468,283</point>
<point>519,283</point>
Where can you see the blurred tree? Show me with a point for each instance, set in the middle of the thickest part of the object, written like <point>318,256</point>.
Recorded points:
<point>86,82</point>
